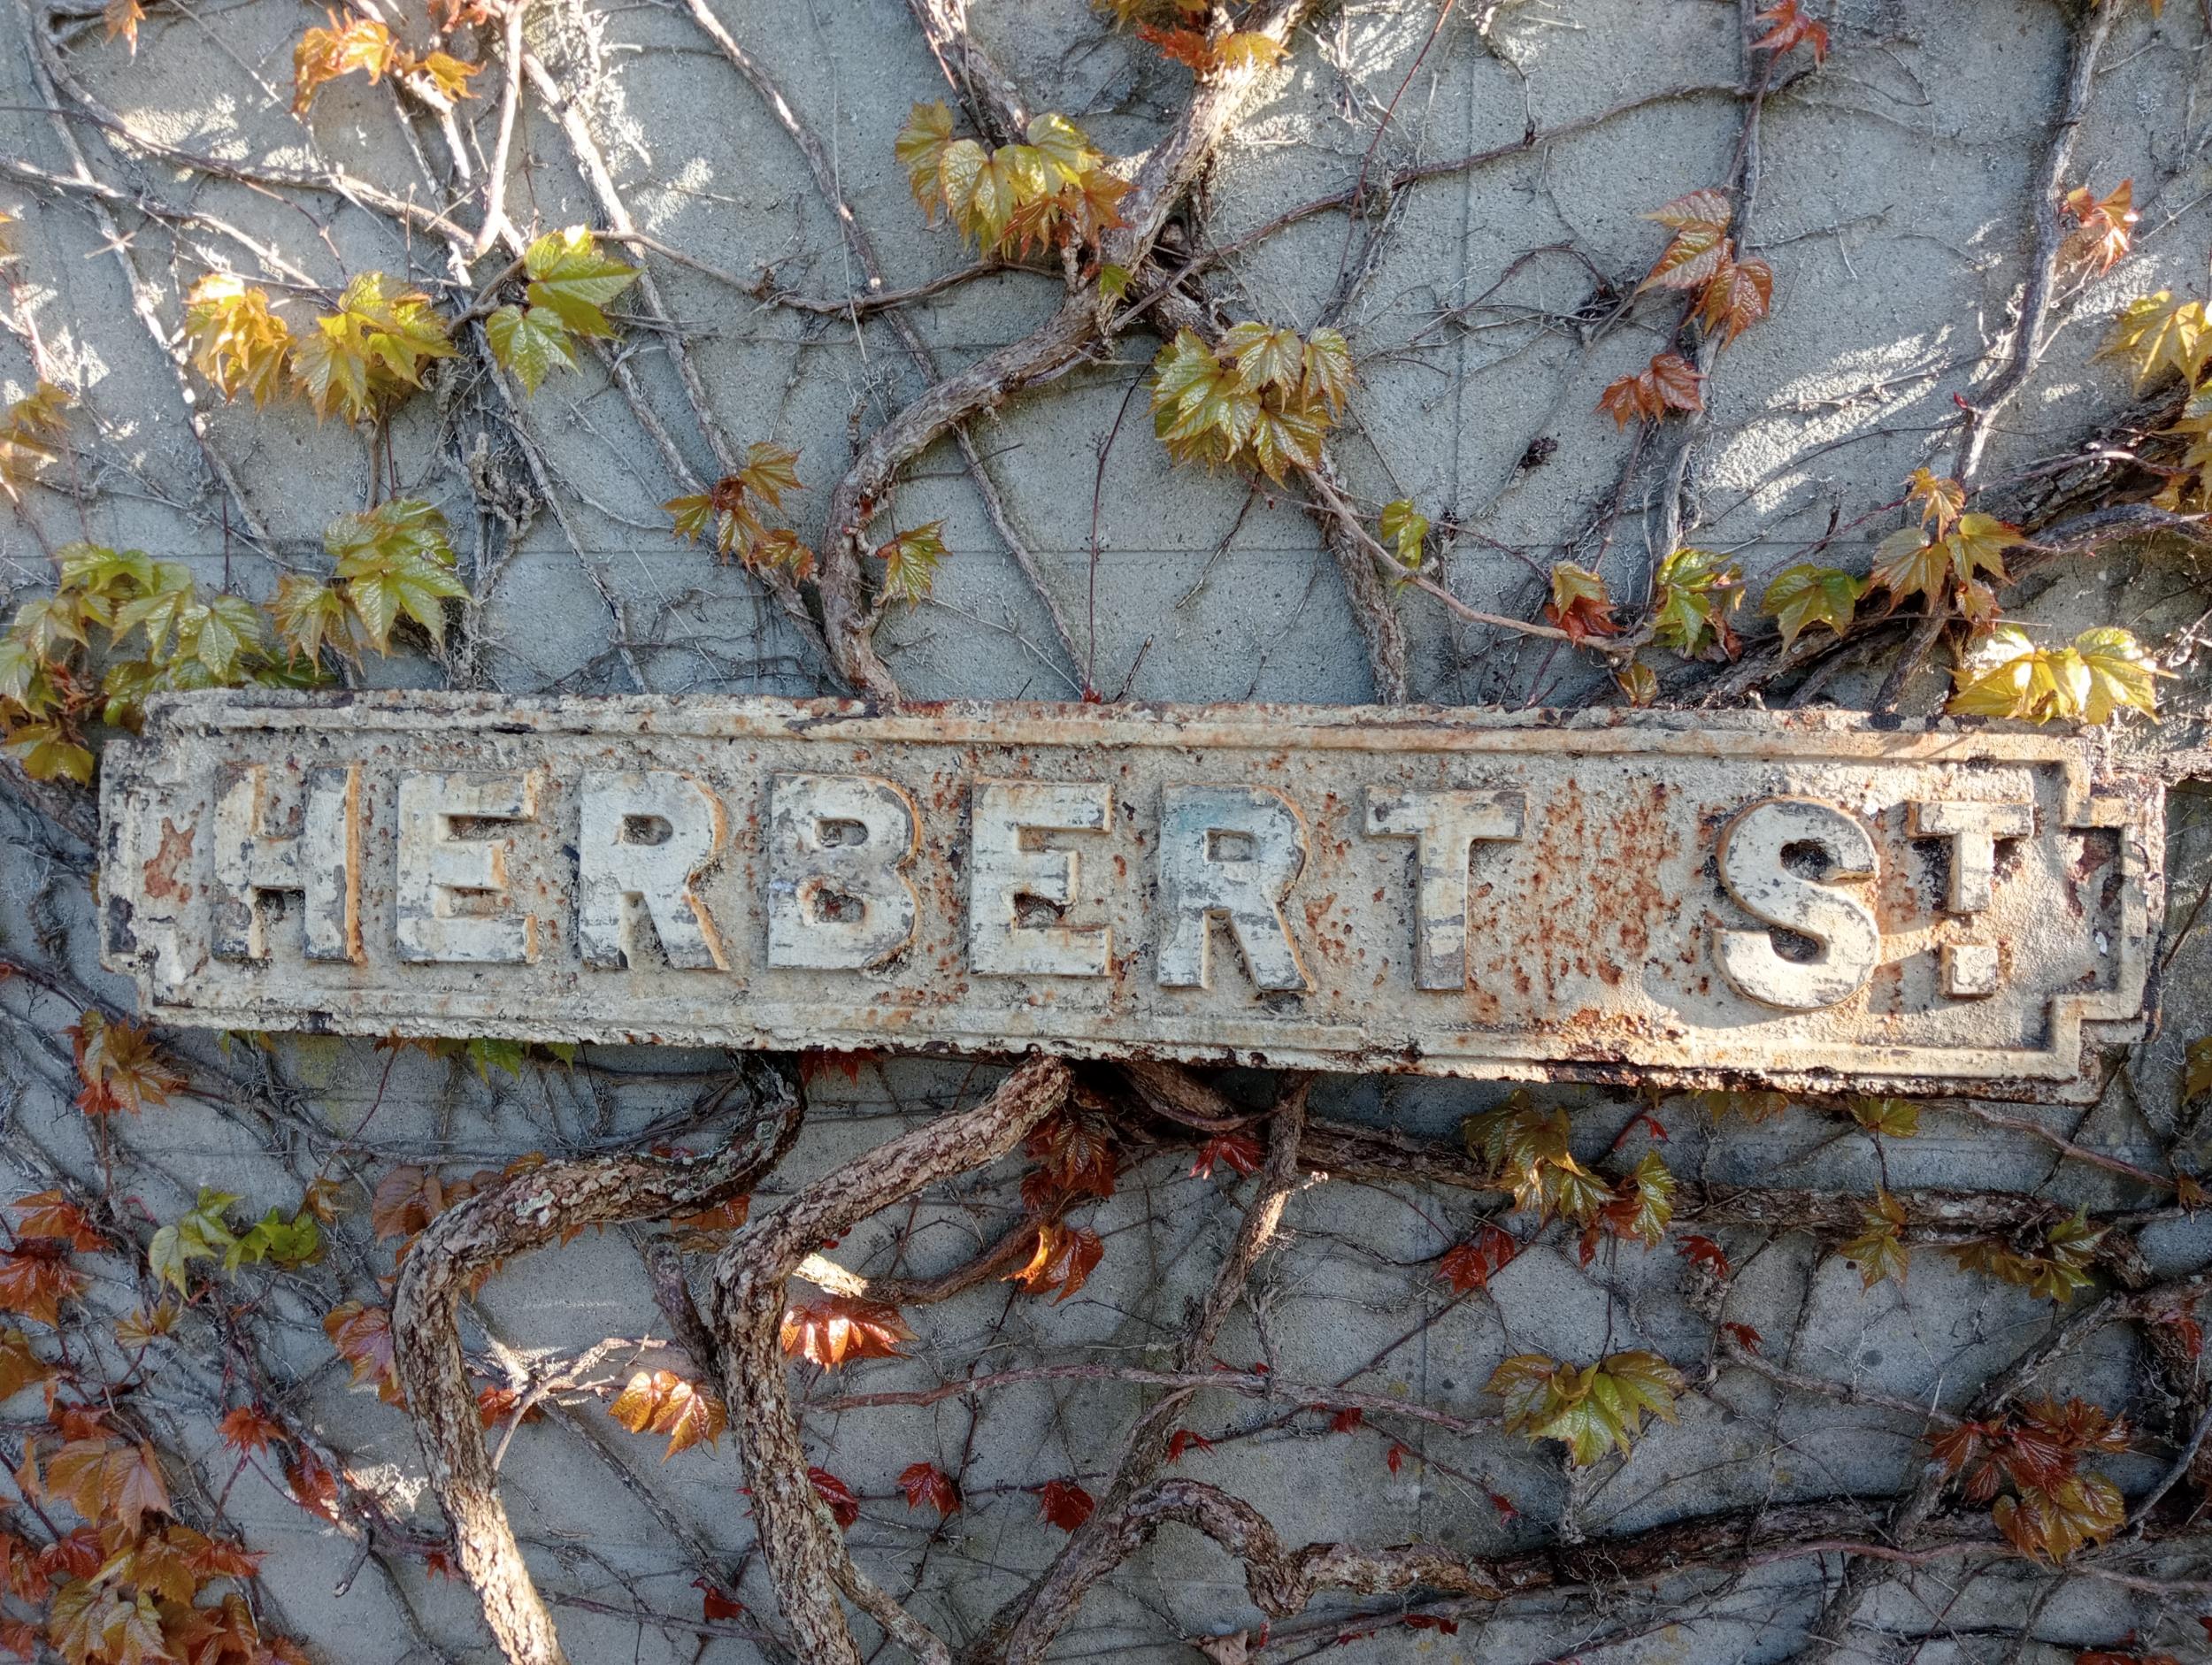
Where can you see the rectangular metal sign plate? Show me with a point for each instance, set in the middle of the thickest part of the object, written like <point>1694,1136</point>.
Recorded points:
<point>1682,898</point>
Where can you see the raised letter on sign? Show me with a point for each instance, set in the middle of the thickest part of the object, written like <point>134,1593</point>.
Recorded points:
<point>1972,831</point>
<point>1444,826</point>
<point>642,839</point>
<point>323,864</point>
<point>452,891</point>
<point>1971,970</point>
<point>1002,872</point>
<point>837,900</point>
<point>1755,850</point>
<point>1228,853</point>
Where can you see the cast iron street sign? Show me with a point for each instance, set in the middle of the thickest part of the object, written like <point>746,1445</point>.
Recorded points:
<point>1688,898</point>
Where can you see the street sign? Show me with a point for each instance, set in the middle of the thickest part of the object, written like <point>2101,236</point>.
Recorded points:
<point>1807,900</point>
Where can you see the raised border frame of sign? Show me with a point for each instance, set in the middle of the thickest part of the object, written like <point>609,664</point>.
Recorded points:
<point>2097,793</point>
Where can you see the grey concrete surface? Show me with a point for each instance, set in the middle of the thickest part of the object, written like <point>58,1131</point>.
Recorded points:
<point>1892,205</point>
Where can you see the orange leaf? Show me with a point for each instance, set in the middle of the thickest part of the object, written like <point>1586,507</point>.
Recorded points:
<point>724,1217</point>
<point>1065,1257</point>
<point>2106,230</point>
<point>662,1402</point>
<point>834,1329</point>
<point>50,1214</point>
<point>324,55</point>
<point>1791,28</point>
<point>1187,46</point>
<point>246,1429</point>
<point>118,1066</point>
<point>362,1335</point>
<point>35,1278</point>
<point>105,1480</point>
<point>1736,297</point>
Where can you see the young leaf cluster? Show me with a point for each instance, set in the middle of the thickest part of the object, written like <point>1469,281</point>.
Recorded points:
<point>736,509</point>
<point>1054,192</point>
<point>116,628</point>
<point>2053,1269</point>
<point>360,359</point>
<point>1265,398</point>
<point>1589,1408</point>
<point>1697,591</point>
<point>2103,671</point>
<point>2055,1508</point>
<point>569,282</point>
<point>364,46</point>
<point>203,1233</point>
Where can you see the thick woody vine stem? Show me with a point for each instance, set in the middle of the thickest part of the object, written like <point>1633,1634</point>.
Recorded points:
<point>806,1559</point>
<point>528,1212</point>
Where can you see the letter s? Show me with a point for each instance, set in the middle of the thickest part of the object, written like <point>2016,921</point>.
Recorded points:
<point>1752,866</point>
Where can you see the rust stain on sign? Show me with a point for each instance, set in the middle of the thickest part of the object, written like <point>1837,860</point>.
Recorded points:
<point>1683,898</point>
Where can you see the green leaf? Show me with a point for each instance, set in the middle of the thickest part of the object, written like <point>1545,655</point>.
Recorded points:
<point>910,561</point>
<point>51,752</point>
<point>570,278</point>
<point>1406,529</point>
<point>1698,589</point>
<point>920,149</point>
<point>487,1053</point>
<point>1066,150</point>
<point>1879,1250</point>
<point>531,343</point>
<point>394,561</point>
<point>1327,369</point>
<point>1803,596</point>
<point>1899,1118</point>
<point>1265,356</point>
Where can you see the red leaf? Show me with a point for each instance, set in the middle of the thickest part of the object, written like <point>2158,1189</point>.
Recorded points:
<point>845,1064</point>
<point>1347,1419</point>
<point>1237,1150</point>
<point>717,1603</point>
<point>1702,1250</point>
<point>314,1488</point>
<point>1430,1622</point>
<point>1065,1504</point>
<point>927,1483</point>
<point>1182,1439</point>
<point>1476,1262</point>
<point>362,1335</point>
<point>1395,1458</point>
<point>1791,28</point>
<point>1743,1335</point>
<point>844,1507</point>
<point>1671,383</point>
<point>1503,1504</point>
